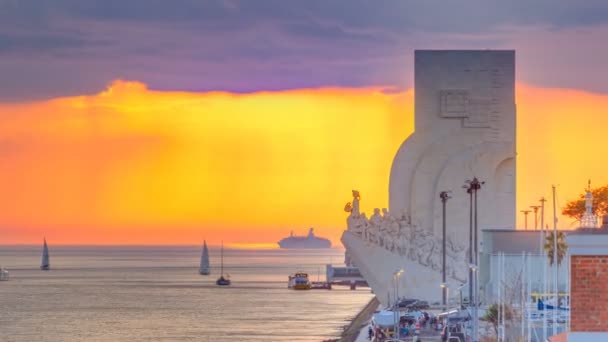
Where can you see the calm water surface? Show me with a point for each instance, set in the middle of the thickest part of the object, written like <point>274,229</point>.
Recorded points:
<point>156,294</point>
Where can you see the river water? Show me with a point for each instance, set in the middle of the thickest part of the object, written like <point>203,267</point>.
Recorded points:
<point>155,294</point>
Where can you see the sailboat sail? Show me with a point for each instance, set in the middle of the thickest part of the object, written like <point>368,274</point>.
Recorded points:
<point>45,264</point>
<point>204,268</point>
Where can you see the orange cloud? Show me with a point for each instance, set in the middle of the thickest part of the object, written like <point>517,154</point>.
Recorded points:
<point>559,141</point>
<point>132,165</point>
<point>136,166</point>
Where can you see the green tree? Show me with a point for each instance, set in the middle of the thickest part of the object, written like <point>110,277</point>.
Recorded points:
<point>562,247</point>
<point>576,208</point>
<point>491,315</point>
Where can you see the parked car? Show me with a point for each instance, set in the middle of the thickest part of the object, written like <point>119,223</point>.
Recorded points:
<point>421,305</point>
<point>455,330</point>
<point>404,303</point>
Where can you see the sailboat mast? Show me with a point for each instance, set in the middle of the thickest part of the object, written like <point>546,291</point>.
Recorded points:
<point>222,260</point>
<point>555,259</point>
<point>542,224</point>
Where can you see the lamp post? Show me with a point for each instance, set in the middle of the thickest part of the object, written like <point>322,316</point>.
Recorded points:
<point>460,290</point>
<point>472,186</point>
<point>526,212</point>
<point>396,317</point>
<point>446,289</point>
<point>469,190</point>
<point>542,224</point>
<point>476,185</point>
<point>535,208</point>
<point>444,195</point>
<point>555,262</point>
<point>542,253</point>
<point>474,269</point>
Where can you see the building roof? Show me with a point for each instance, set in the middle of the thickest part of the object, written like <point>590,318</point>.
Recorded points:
<point>512,241</point>
<point>579,337</point>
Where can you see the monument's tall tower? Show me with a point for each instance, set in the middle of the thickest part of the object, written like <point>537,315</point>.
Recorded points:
<point>465,127</point>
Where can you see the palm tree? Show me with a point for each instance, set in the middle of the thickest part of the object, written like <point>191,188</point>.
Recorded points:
<point>562,247</point>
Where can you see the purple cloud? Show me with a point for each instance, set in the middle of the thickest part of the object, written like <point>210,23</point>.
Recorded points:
<point>66,47</point>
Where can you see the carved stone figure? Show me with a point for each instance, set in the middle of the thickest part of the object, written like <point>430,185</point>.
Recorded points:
<point>356,199</point>
<point>376,220</point>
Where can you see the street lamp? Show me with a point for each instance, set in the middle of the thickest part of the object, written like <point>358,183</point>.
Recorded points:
<point>467,187</point>
<point>444,195</point>
<point>396,317</point>
<point>460,290</point>
<point>446,290</point>
<point>476,185</point>
<point>535,208</point>
<point>474,268</point>
<point>526,212</point>
<point>472,186</point>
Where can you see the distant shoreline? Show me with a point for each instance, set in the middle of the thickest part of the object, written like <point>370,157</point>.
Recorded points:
<point>227,246</point>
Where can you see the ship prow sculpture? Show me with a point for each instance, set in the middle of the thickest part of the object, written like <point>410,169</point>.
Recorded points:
<point>464,128</point>
<point>384,243</point>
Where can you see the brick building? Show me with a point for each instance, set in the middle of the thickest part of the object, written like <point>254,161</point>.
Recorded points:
<point>588,250</point>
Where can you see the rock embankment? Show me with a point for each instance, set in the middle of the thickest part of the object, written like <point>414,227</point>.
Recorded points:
<point>359,321</point>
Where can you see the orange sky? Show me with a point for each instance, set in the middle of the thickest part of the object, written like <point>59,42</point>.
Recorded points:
<point>136,166</point>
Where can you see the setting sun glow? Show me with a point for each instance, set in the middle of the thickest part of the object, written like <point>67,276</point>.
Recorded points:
<point>132,165</point>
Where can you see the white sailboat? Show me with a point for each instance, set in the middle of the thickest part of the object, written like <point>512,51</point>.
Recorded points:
<point>3,274</point>
<point>45,265</point>
<point>204,267</point>
<point>221,281</point>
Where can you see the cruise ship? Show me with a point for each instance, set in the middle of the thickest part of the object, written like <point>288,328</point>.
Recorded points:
<point>308,241</point>
<point>464,129</point>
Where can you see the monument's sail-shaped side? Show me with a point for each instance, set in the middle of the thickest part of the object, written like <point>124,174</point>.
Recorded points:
<point>465,119</point>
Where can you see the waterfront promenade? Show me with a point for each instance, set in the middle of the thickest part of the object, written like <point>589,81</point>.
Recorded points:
<point>426,334</point>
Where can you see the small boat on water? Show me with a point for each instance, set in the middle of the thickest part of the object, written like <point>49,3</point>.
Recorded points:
<point>299,281</point>
<point>45,265</point>
<point>222,281</point>
<point>204,267</point>
<point>3,274</point>
<point>320,285</point>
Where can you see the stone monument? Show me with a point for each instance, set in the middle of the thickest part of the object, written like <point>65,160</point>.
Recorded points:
<point>464,128</point>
